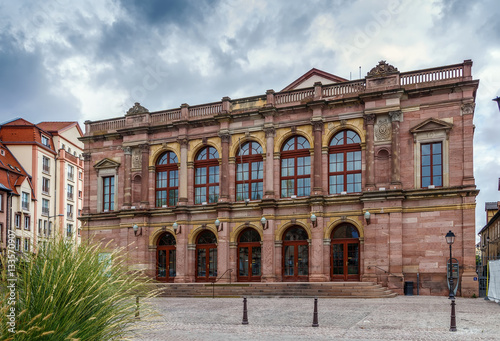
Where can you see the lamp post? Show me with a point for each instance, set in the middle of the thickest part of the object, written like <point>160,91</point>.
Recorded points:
<point>450,239</point>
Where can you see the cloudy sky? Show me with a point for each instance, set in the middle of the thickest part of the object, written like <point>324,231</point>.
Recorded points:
<point>89,60</point>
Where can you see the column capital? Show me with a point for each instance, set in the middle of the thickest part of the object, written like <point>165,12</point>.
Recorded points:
<point>396,116</point>
<point>317,125</point>
<point>86,156</point>
<point>270,131</point>
<point>144,147</point>
<point>183,141</point>
<point>369,119</point>
<point>224,136</point>
<point>127,150</point>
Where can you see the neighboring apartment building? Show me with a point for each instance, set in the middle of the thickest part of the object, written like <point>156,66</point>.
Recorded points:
<point>327,180</point>
<point>17,203</point>
<point>490,234</point>
<point>50,152</point>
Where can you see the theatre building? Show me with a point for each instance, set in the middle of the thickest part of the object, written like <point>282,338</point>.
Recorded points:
<point>326,180</point>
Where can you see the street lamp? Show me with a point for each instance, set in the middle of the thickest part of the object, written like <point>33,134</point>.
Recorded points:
<point>498,101</point>
<point>450,238</point>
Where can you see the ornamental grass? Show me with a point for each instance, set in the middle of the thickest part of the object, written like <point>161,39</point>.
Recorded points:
<point>69,292</point>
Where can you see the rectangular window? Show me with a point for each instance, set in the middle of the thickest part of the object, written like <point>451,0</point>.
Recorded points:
<point>45,186</point>
<point>70,191</point>
<point>17,221</point>
<point>80,194</point>
<point>27,222</point>
<point>69,211</point>
<point>45,141</point>
<point>45,227</point>
<point>79,212</point>
<point>71,172</point>
<point>108,190</point>
<point>18,244</point>
<point>25,201</point>
<point>50,228</point>
<point>45,164</point>
<point>45,207</point>
<point>80,175</point>
<point>26,244</point>
<point>40,226</point>
<point>1,232</point>
<point>69,230</point>
<point>431,164</point>
<point>1,202</point>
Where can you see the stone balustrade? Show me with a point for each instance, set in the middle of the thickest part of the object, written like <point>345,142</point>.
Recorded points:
<point>456,72</point>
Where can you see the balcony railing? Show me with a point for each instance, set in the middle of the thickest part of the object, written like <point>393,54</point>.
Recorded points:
<point>445,74</point>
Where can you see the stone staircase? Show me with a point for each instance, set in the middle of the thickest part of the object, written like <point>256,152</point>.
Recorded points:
<point>275,289</point>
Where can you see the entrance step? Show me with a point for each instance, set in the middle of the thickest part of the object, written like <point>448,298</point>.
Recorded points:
<point>275,289</point>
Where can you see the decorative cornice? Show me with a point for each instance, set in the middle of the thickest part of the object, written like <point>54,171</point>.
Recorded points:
<point>382,69</point>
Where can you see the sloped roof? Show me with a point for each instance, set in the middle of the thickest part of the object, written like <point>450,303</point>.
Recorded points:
<point>318,75</point>
<point>20,131</point>
<point>58,126</point>
<point>12,174</point>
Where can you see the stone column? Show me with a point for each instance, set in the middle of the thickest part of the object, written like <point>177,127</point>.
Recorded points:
<point>396,250</point>
<point>396,117</point>
<point>127,188</point>
<point>269,178</point>
<point>467,113</point>
<point>317,164</point>
<point>224,167</point>
<point>86,169</point>
<point>183,171</point>
<point>145,175</point>
<point>268,254</point>
<point>370,151</point>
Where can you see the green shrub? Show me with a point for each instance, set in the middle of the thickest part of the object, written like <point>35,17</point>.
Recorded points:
<point>71,293</point>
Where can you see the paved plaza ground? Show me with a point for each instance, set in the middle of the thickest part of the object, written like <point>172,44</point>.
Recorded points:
<point>400,318</point>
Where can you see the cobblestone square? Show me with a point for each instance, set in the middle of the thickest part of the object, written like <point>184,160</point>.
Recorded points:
<point>400,318</point>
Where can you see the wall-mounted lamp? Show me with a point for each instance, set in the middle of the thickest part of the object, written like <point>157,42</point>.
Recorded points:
<point>314,221</point>
<point>498,101</point>
<point>137,230</point>
<point>177,228</point>
<point>367,217</point>
<point>217,224</point>
<point>263,222</point>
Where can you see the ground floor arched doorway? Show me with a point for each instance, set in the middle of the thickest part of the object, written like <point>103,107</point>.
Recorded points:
<point>166,258</point>
<point>206,257</point>
<point>249,256</point>
<point>295,255</point>
<point>345,253</point>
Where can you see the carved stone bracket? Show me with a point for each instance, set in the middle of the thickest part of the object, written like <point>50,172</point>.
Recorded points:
<point>370,119</point>
<point>382,69</point>
<point>396,116</point>
<point>467,109</point>
<point>137,109</point>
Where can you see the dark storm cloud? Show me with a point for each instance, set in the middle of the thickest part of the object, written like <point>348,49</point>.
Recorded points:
<point>25,87</point>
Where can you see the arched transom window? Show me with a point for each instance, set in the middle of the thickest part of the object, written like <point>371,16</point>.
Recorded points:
<point>344,171</point>
<point>167,180</point>
<point>295,167</point>
<point>206,177</point>
<point>249,172</point>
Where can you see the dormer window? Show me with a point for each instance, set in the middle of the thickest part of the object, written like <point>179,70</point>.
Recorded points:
<point>45,141</point>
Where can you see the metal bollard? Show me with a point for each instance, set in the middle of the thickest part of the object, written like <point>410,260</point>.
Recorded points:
<point>137,307</point>
<point>315,314</point>
<point>245,316</point>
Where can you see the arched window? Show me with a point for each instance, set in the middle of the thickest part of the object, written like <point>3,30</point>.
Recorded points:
<point>249,172</point>
<point>295,167</point>
<point>165,258</point>
<point>249,256</point>
<point>344,171</point>
<point>167,180</point>
<point>206,176</point>
<point>206,256</point>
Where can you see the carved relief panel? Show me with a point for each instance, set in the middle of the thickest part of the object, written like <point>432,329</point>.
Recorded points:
<point>136,159</point>
<point>383,128</point>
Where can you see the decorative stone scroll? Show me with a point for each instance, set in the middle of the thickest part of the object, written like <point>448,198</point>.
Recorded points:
<point>382,69</point>
<point>137,109</point>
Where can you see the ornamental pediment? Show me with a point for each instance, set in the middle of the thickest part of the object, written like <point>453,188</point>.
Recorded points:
<point>106,163</point>
<point>431,124</point>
